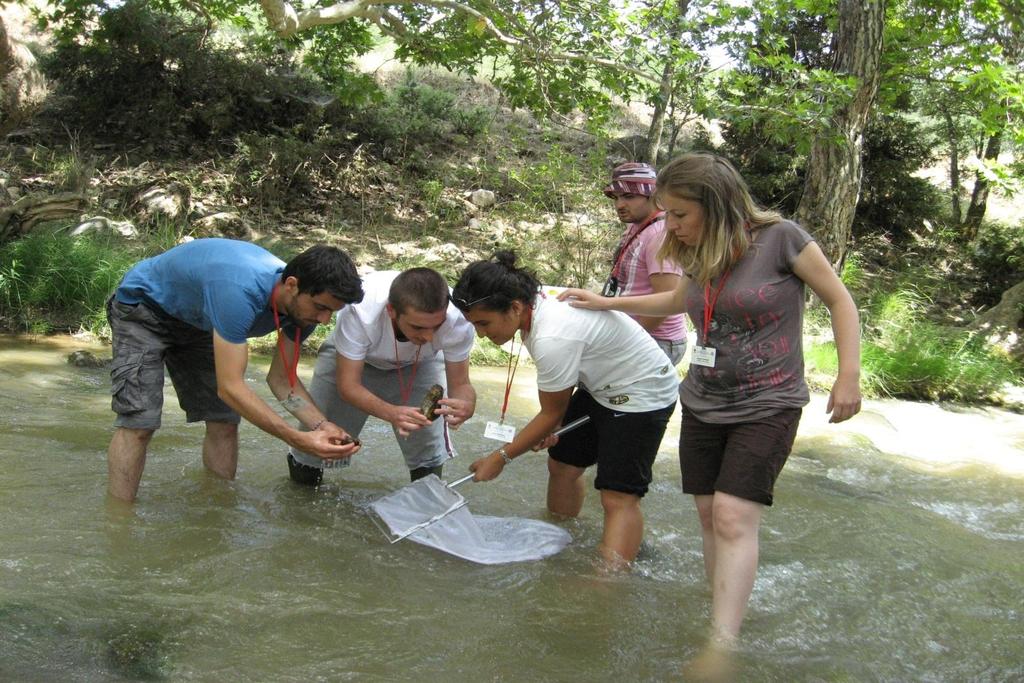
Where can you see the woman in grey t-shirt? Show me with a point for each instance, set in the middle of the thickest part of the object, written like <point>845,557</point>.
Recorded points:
<point>742,396</point>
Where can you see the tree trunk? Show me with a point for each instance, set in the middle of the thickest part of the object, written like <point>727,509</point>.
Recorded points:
<point>22,87</point>
<point>979,196</point>
<point>661,105</point>
<point>834,170</point>
<point>663,101</point>
<point>953,140</point>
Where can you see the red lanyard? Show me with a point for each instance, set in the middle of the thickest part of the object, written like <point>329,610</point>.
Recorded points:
<point>621,252</point>
<point>709,303</point>
<point>406,391</point>
<point>293,371</point>
<point>510,375</point>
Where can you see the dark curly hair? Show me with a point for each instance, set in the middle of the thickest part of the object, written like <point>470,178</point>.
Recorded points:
<point>494,284</point>
<point>324,268</point>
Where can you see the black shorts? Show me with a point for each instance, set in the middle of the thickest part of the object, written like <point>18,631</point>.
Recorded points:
<point>144,340</point>
<point>742,459</point>
<point>623,445</point>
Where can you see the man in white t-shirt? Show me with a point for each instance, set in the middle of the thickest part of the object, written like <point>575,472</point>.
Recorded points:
<point>382,357</point>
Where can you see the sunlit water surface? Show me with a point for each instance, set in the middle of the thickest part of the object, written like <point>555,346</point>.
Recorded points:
<point>873,568</point>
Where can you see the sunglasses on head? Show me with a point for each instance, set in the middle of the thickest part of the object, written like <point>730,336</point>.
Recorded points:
<point>463,304</point>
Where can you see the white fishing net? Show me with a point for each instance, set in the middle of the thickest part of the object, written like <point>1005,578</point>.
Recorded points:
<point>437,517</point>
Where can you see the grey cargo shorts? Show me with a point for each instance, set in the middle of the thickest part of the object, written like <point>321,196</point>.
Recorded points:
<point>144,341</point>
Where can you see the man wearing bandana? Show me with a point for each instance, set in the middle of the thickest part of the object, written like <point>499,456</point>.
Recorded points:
<point>636,268</point>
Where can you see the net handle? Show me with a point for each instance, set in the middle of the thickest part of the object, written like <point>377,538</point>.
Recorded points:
<point>558,432</point>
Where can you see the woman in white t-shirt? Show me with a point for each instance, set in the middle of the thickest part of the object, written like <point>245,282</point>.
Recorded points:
<point>580,371</point>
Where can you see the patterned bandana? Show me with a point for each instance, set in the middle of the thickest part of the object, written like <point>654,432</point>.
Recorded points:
<point>632,178</point>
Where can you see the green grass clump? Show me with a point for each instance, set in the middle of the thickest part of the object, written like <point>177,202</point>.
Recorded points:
<point>485,352</point>
<point>904,355</point>
<point>43,274</point>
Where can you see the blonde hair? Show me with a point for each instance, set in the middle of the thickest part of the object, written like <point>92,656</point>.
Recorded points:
<point>730,214</point>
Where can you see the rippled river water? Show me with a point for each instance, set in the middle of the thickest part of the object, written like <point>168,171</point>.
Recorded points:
<point>876,566</point>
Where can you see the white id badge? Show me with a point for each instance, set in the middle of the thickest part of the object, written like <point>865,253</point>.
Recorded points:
<point>703,355</point>
<point>499,432</point>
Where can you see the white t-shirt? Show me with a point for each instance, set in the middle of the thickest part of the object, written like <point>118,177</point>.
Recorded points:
<point>605,351</point>
<point>364,331</point>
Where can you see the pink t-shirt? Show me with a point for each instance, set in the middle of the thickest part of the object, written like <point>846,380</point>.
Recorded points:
<point>638,264</point>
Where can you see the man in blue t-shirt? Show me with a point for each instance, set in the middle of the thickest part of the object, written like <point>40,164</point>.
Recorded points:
<point>192,309</point>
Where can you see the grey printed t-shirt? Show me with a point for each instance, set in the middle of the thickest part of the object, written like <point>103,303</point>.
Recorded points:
<point>757,333</point>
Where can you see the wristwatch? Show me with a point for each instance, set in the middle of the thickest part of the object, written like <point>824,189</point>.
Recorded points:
<point>504,455</point>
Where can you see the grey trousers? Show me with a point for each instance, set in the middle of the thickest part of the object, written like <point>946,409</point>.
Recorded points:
<point>427,447</point>
<point>675,350</point>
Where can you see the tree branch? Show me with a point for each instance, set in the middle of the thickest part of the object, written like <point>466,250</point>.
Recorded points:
<point>284,20</point>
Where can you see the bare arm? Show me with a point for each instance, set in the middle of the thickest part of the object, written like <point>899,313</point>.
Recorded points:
<point>230,361</point>
<point>461,402</point>
<point>658,304</point>
<point>349,379</point>
<point>813,268</point>
<point>301,404</point>
<point>552,410</point>
<point>660,282</point>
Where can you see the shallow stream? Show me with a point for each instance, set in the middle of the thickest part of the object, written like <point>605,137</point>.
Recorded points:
<point>876,566</point>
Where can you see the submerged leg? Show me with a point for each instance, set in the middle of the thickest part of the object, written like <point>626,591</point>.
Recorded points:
<point>623,528</point>
<point>707,529</point>
<point>126,458</point>
<point>736,524</point>
<point>565,488</point>
<point>220,449</point>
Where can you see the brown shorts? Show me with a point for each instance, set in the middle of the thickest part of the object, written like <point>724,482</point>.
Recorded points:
<point>144,341</point>
<point>742,459</point>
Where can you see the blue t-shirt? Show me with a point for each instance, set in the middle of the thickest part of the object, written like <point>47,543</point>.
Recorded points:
<point>213,284</point>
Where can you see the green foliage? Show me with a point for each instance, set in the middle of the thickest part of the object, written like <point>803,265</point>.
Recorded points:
<point>773,171</point>
<point>275,170</point>
<point>485,352</point>
<point>893,201</point>
<point>59,276</point>
<point>418,117</point>
<point>472,122</point>
<point>330,56</point>
<point>581,252</point>
<point>783,89</point>
<point>997,255</point>
<point>906,356</point>
<point>960,63</point>
<point>143,75</point>
<point>853,275</point>
<point>552,183</point>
